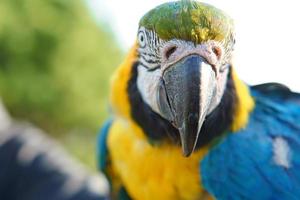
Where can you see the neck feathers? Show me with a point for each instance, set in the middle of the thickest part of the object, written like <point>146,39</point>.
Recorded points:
<point>119,98</point>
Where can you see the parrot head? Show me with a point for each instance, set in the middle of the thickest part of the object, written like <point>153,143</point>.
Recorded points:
<point>181,83</point>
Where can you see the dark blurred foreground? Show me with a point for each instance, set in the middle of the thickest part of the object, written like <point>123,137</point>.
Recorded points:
<point>34,167</point>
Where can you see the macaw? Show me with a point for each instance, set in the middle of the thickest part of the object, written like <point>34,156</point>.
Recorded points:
<point>184,126</point>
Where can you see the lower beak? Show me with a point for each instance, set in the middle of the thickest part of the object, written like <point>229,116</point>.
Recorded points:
<point>184,97</point>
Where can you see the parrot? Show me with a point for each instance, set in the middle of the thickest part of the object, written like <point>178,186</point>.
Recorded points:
<point>183,124</point>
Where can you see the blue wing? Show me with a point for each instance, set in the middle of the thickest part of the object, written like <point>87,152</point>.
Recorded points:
<point>102,150</point>
<point>104,160</point>
<point>263,160</point>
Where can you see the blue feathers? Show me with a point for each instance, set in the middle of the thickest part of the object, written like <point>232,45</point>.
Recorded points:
<point>263,160</point>
<point>102,150</point>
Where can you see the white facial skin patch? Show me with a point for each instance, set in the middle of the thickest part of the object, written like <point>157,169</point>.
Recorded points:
<point>220,89</point>
<point>147,82</point>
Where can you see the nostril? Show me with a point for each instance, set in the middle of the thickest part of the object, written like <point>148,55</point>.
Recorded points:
<point>170,51</point>
<point>217,51</point>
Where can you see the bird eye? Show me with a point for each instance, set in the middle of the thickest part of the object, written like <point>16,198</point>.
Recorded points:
<point>142,39</point>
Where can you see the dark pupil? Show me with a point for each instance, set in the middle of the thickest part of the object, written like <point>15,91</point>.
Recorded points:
<point>142,38</point>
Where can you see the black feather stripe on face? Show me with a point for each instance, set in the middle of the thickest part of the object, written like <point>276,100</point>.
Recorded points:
<point>158,128</point>
<point>154,126</point>
<point>221,118</point>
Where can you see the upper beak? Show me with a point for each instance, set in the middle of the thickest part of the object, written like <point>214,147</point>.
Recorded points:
<point>185,95</point>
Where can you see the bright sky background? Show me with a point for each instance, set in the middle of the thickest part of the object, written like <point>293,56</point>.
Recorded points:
<point>268,34</point>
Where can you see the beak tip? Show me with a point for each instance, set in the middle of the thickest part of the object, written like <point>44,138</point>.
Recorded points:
<point>186,154</point>
<point>187,150</point>
<point>188,140</point>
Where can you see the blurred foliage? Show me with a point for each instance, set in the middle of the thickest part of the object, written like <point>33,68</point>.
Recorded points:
<point>55,64</point>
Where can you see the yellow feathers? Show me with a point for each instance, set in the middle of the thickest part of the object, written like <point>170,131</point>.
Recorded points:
<point>153,172</point>
<point>118,96</point>
<point>245,104</point>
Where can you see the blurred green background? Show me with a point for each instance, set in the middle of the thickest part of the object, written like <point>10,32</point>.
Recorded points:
<point>55,64</point>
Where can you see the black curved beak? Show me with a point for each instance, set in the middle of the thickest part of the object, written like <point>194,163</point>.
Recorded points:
<point>185,96</point>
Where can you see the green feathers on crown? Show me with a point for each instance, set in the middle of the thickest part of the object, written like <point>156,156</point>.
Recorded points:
<point>189,20</point>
